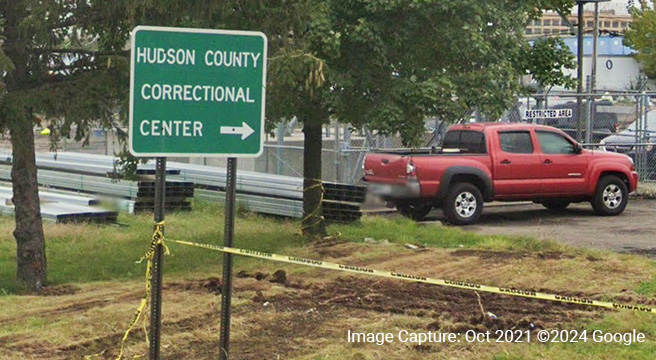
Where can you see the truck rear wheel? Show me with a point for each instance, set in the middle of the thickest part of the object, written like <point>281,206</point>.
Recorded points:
<point>555,204</point>
<point>463,204</point>
<point>611,196</point>
<point>414,211</point>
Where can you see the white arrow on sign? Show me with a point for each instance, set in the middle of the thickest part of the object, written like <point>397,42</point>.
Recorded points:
<point>244,130</point>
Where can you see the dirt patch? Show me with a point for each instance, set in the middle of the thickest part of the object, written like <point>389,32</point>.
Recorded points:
<point>106,347</point>
<point>270,335</point>
<point>278,277</point>
<point>334,249</point>
<point>277,317</point>
<point>648,252</point>
<point>210,285</point>
<point>256,275</point>
<point>58,290</point>
<point>78,307</point>
<point>452,309</point>
<point>507,255</point>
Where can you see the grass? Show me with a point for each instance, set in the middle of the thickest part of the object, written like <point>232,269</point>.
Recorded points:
<point>647,189</point>
<point>82,253</point>
<point>100,261</point>
<point>621,322</point>
<point>402,231</point>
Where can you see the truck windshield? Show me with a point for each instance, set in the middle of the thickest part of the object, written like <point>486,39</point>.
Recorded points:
<point>465,141</point>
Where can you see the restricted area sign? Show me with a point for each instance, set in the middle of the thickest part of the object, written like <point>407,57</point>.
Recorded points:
<point>197,92</point>
<point>548,114</point>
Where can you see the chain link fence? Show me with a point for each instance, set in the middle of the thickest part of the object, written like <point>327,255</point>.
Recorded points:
<point>99,141</point>
<point>343,151</point>
<point>623,122</point>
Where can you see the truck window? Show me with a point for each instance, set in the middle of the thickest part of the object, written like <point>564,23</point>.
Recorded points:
<point>552,143</point>
<point>466,141</point>
<point>516,142</point>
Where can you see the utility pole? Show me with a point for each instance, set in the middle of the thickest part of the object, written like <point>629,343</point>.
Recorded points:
<point>591,109</point>
<point>579,73</point>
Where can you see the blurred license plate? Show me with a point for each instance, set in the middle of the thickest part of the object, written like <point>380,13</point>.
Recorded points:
<point>381,189</point>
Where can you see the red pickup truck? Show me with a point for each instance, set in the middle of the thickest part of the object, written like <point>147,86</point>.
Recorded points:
<point>479,163</point>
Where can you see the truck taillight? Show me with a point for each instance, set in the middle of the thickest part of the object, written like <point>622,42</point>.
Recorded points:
<point>411,170</point>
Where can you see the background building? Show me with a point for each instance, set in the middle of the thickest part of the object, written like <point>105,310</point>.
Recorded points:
<point>617,69</point>
<point>551,23</point>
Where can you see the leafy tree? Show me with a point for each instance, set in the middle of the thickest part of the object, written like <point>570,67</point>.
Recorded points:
<point>386,64</point>
<point>640,36</point>
<point>66,61</point>
<point>389,64</point>
<point>54,67</point>
<point>545,61</point>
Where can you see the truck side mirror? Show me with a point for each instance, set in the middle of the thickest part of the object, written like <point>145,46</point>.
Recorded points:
<point>578,148</point>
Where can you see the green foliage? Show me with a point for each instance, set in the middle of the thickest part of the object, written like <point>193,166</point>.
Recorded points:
<point>62,70</point>
<point>545,61</point>
<point>641,37</point>
<point>5,62</point>
<point>388,64</point>
<point>385,64</point>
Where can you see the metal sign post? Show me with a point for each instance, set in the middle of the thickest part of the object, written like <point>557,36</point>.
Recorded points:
<point>226,285</point>
<point>196,93</point>
<point>156,279</point>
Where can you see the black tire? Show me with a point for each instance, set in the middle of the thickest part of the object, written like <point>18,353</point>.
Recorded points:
<point>555,204</point>
<point>414,211</point>
<point>605,201</point>
<point>453,210</point>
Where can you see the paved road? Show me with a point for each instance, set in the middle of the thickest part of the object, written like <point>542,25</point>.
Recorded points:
<point>633,231</point>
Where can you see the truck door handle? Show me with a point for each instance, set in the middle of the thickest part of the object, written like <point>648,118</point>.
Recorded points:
<point>385,161</point>
<point>548,161</point>
<point>506,161</point>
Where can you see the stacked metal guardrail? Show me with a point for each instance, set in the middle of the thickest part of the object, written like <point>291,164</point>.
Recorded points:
<point>273,194</point>
<point>62,208</point>
<point>257,192</point>
<point>94,174</point>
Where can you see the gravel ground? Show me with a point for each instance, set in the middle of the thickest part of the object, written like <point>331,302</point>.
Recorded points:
<point>634,231</point>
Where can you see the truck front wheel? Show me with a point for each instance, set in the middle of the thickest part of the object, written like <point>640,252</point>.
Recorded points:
<point>611,196</point>
<point>463,204</point>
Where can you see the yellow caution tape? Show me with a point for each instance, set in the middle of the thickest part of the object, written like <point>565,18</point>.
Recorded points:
<point>421,279</point>
<point>157,239</point>
<point>317,210</point>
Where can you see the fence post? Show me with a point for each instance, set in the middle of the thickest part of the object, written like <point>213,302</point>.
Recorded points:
<point>280,141</point>
<point>642,137</point>
<point>346,155</point>
<point>266,154</point>
<point>589,126</point>
<point>638,123</point>
<point>338,172</point>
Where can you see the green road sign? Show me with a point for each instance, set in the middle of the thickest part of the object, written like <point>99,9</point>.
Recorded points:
<point>196,92</point>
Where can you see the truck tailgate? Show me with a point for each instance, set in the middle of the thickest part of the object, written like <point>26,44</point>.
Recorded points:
<point>385,167</point>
